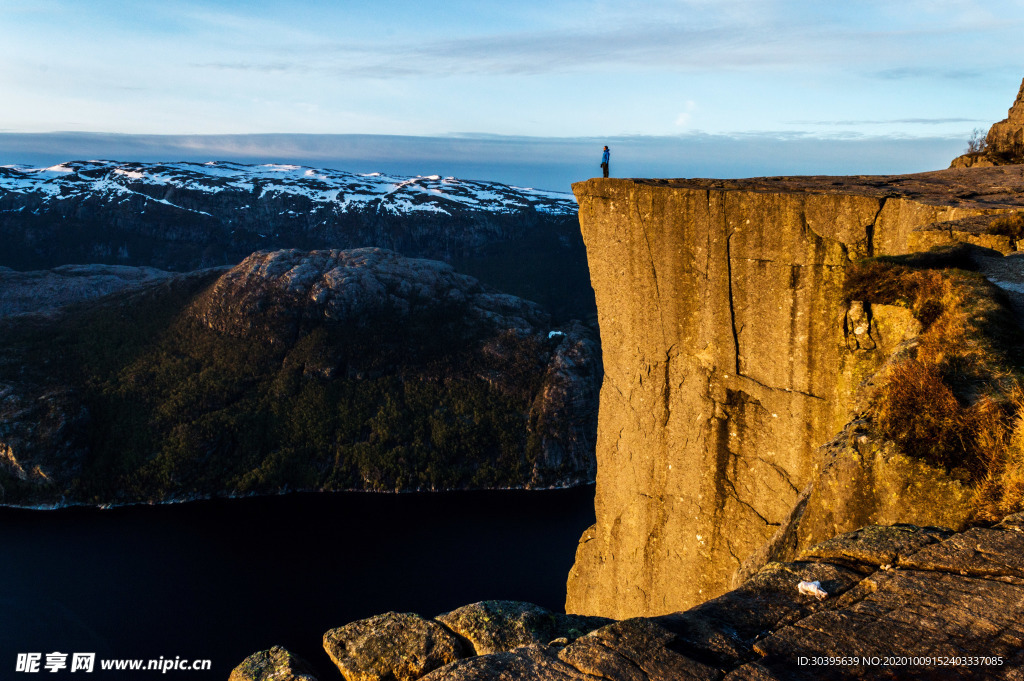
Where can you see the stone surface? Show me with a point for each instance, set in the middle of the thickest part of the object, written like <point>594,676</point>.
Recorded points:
<point>502,626</point>
<point>943,606</point>
<point>873,546</point>
<point>863,480</point>
<point>637,649</point>
<point>977,231</point>
<point>391,647</point>
<point>730,357</point>
<point>928,603</point>
<point>276,664</point>
<point>532,662</point>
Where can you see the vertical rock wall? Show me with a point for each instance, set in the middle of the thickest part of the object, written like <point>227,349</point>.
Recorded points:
<point>725,338</point>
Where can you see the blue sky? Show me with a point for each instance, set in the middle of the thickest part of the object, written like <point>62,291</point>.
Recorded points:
<point>911,73</point>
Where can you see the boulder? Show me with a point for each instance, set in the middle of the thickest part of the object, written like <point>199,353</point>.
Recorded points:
<point>536,663</point>
<point>1004,143</point>
<point>276,664</point>
<point>391,647</point>
<point>501,626</point>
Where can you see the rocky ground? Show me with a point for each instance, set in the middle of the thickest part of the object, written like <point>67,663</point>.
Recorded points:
<point>896,602</point>
<point>46,291</point>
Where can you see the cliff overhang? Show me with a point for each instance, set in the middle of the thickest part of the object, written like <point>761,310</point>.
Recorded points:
<point>732,358</point>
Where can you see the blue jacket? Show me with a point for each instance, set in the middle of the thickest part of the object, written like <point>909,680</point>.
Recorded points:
<point>605,156</point>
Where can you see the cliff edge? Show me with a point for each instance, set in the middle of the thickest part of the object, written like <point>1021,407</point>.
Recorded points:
<point>733,356</point>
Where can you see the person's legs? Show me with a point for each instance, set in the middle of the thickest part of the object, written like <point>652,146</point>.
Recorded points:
<point>604,167</point>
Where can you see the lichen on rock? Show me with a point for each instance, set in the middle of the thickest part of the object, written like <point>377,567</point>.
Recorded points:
<point>391,647</point>
<point>275,664</point>
<point>502,626</point>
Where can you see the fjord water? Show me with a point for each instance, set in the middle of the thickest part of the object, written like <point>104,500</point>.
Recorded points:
<point>222,579</point>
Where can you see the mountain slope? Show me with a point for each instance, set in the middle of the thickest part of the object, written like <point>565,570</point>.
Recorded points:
<point>324,370</point>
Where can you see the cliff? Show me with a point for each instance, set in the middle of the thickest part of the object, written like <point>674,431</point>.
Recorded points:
<point>732,357</point>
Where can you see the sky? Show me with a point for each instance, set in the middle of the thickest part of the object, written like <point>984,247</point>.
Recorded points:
<point>523,90</point>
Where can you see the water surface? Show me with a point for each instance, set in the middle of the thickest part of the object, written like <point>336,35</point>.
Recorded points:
<point>225,578</point>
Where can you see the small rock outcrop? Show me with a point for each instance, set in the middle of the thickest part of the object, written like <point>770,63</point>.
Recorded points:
<point>883,602</point>
<point>1004,143</point>
<point>501,626</point>
<point>270,293</point>
<point>42,439</point>
<point>276,664</point>
<point>391,647</point>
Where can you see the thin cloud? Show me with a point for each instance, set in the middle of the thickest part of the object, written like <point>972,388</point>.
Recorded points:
<point>665,46</point>
<point>704,37</point>
<point>915,73</point>
<point>892,121</point>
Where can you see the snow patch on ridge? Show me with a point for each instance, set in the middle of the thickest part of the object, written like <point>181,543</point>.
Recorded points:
<point>339,190</point>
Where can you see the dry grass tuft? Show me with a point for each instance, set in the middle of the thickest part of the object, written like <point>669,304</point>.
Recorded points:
<point>1002,490</point>
<point>958,402</point>
<point>918,410</point>
<point>1009,225</point>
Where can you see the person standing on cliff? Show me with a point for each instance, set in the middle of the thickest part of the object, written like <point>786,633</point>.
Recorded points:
<point>604,160</point>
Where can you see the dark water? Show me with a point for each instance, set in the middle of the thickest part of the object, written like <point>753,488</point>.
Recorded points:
<point>223,579</point>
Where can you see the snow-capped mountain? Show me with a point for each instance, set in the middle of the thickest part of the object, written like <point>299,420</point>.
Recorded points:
<point>339,190</point>
<point>182,216</point>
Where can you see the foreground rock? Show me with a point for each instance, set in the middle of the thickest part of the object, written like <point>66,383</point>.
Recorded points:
<point>893,602</point>
<point>276,664</point>
<point>500,626</point>
<point>391,647</point>
<point>732,358</point>
<point>962,597</point>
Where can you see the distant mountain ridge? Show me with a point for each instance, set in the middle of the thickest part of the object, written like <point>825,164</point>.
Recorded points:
<point>186,216</point>
<point>337,190</point>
